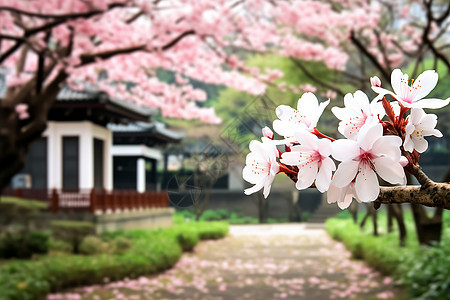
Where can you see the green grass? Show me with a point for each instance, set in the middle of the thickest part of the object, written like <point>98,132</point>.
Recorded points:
<point>223,215</point>
<point>424,271</point>
<point>151,251</point>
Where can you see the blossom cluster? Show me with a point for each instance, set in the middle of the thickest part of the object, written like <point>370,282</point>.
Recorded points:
<point>381,139</point>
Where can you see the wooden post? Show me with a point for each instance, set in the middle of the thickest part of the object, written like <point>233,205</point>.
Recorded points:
<point>18,192</point>
<point>55,201</point>
<point>92,201</point>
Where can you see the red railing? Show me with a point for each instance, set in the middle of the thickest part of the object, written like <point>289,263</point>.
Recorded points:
<point>93,200</point>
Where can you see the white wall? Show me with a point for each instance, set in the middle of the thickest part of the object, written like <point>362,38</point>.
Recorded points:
<point>86,131</point>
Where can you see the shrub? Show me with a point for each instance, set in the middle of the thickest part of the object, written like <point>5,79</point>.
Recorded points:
<point>187,239</point>
<point>424,271</point>
<point>91,245</point>
<point>23,244</point>
<point>72,232</point>
<point>38,242</point>
<point>59,246</point>
<point>151,251</point>
<point>211,230</point>
<point>120,245</point>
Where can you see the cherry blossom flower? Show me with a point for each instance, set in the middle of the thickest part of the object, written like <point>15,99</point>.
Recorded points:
<point>312,159</point>
<point>305,116</point>
<point>412,96</point>
<point>343,196</point>
<point>357,112</point>
<point>362,159</point>
<point>419,125</point>
<point>261,167</point>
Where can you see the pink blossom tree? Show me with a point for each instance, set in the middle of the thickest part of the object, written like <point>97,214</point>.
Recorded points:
<point>46,44</point>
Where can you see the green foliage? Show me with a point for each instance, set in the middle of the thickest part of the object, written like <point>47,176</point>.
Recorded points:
<point>187,239</point>
<point>150,251</point>
<point>120,245</point>
<point>24,203</point>
<point>59,246</point>
<point>183,216</point>
<point>72,232</point>
<point>23,244</point>
<point>91,245</point>
<point>425,271</point>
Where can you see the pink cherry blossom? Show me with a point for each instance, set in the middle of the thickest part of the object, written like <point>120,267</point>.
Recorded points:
<point>419,125</point>
<point>371,154</point>
<point>412,96</point>
<point>261,167</point>
<point>312,159</point>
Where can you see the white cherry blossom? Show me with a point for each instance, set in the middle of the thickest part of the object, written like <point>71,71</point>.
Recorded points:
<point>357,112</point>
<point>261,167</point>
<point>362,159</point>
<point>312,159</point>
<point>419,125</point>
<point>305,116</point>
<point>343,196</point>
<point>412,96</point>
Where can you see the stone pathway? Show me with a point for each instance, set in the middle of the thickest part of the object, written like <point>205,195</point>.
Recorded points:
<point>257,262</point>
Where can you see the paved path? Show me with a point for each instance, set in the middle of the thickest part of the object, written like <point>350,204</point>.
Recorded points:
<point>257,262</point>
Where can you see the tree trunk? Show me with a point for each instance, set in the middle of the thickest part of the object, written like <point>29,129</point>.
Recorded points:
<point>262,208</point>
<point>353,209</point>
<point>295,214</point>
<point>390,217</point>
<point>16,135</point>
<point>428,229</point>
<point>371,212</point>
<point>397,213</point>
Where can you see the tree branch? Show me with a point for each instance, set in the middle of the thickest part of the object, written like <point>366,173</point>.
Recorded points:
<point>370,56</point>
<point>91,57</point>
<point>436,195</point>
<point>315,79</point>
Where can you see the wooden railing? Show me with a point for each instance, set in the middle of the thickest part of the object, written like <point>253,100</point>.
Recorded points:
<point>93,200</point>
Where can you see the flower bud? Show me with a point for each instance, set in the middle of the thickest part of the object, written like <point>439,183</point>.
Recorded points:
<point>267,132</point>
<point>375,81</point>
<point>403,161</point>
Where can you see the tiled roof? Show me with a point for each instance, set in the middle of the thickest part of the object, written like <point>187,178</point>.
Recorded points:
<point>153,127</point>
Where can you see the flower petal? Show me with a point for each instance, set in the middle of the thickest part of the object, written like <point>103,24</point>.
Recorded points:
<point>366,184</point>
<point>344,149</point>
<point>290,158</point>
<point>389,169</point>
<point>368,134</point>
<point>420,145</point>
<point>345,173</point>
<point>396,78</point>
<point>425,83</point>
<point>306,139</point>
<point>388,145</point>
<point>254,188</point>
<point>306,176</point>
<point>431,103</point>
<point>323,179</point>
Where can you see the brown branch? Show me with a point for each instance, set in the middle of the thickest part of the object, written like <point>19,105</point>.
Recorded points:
<point>435,195</point>
<point>370,56</point>
<point>315,79</point>
<point>91,57</point>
